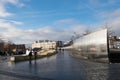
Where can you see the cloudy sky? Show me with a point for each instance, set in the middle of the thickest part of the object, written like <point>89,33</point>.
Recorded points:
<point>24,21</point>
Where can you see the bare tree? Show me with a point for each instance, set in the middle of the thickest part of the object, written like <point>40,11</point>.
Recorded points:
<point>109,28</point>
<point>76,35</point>
<point>86,32</point>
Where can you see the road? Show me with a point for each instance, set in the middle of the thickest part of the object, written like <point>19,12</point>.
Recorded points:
<point>58,67</point>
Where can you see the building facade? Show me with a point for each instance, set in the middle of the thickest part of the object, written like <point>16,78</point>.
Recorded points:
<point>44,44</point>
<point>114,42</point>
<point>1,46</point>
<point>14,48</point>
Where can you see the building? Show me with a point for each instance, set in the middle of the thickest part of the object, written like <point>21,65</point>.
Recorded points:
<point>44,44</point>
<point>117,44</point>
<point>2,43</point>
<point>60,44</point>
<point>1,46</point>
<point>114,42</point>
<point>14,48</point>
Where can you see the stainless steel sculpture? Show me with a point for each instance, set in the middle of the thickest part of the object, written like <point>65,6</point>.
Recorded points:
<point>93,46</point>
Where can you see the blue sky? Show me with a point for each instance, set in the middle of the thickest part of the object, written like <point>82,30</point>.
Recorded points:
<point>24,21</point>
<point>47,12</point>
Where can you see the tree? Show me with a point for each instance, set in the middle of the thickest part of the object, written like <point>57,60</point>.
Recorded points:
<point>87,31</point>
<point>109,28</point>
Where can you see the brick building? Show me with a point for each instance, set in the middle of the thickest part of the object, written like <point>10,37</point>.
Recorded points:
<point>14,48</point>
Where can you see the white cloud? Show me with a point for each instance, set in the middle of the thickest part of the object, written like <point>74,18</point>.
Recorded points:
<point>102,3</point>
<point>11,1</point>
<point>14,2</point>
<point>3,12</point>
<point>11,21</point>
<point>66,21</point>
<point>113,20</point>
<point>3,7</point>
<point>110,14</point>
<point>17,35</point>
<point>16,22</point>
<point>115,25</point>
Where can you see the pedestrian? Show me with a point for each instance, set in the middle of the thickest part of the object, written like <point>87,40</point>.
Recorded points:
<point>35,55</point>
<point>30,55</point>
<point>5,53</point>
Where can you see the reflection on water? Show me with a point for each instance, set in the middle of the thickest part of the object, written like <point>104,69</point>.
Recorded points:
<point>33,67</point>
<point>102,71</point>
<point>97,71</point>
<point>30,66</point>
<point>47,58</point>
<point>64,67</point>
<point>114,72</point>
<point>11,64</point>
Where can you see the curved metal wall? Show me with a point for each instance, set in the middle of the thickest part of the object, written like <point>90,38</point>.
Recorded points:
<point>93,45</point>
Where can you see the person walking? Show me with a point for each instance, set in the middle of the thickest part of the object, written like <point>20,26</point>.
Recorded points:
<point>30,55</point>
<point>35,55</point>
